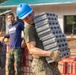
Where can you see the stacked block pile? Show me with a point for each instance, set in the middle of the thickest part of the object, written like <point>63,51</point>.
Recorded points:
<point>26,65</point>
<point>67,66</point>
<point>50,33</point>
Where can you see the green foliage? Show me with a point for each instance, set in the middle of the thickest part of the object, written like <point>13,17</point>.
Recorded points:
<point>70,20</point>
<point>2,1</point>
<point>3,10</point>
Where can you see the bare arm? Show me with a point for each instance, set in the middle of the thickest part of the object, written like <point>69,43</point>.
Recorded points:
<point>36,51</point>
<point>5,36</point>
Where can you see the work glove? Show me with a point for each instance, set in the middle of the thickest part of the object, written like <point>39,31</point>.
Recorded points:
<point>56,55</point>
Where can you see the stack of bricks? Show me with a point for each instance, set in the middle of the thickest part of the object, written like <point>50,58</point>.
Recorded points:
<point>50,33</point>
<point>26,65</point>
<point>67,66</point>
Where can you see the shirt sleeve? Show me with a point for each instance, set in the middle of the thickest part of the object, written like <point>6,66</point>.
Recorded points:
<point>21,26</point>
<point>29,33</point>
<point>7,36</point>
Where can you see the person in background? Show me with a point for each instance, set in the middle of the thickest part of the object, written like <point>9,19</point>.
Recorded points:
<point>1,47</point>
<point>15,53</point>
<point>35,46</point>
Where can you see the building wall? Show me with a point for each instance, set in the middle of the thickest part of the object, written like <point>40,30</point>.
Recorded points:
<point>59,10</point>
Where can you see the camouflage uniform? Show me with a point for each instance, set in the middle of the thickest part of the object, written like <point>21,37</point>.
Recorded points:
<point>14,62</point>
<point>15,29</point>
<point>41,67</point>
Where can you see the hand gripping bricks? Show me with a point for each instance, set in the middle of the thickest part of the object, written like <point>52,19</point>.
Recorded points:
<point>50,34</point>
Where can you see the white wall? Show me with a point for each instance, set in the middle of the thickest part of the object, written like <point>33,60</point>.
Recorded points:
<point>59,10</point>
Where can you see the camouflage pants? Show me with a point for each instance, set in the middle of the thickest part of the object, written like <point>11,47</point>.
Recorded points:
<point>14,62</point>
<point>41,67</point>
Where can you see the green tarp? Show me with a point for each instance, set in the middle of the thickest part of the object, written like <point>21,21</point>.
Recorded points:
<point>14,3</point>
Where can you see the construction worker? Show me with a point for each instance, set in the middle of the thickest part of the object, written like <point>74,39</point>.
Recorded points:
<point>35,46</point>
<point>15,53</point>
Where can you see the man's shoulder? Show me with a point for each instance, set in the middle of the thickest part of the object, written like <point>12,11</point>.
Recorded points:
<point>29,27</point>
<point>18,22</point>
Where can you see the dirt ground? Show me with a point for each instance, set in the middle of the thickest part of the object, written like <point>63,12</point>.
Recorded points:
<point>72,45</point>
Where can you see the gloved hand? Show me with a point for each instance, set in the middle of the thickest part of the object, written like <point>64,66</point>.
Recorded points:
<point>56,55</point>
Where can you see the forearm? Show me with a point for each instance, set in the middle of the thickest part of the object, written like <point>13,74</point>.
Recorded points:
<point>36,51</point>
<point>55,55</point>
<point>39,52</point>
<point>3,38</point>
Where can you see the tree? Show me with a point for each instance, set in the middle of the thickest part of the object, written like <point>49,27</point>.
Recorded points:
<point>2,1</point>
<point>2,19</point>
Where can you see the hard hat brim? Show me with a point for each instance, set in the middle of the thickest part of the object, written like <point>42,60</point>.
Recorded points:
<point>25,15</point>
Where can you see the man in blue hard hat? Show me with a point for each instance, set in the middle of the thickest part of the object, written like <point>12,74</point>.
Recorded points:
<point>35,46</point>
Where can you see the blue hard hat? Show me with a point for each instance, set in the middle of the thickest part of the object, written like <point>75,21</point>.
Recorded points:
<point>23,10</point>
